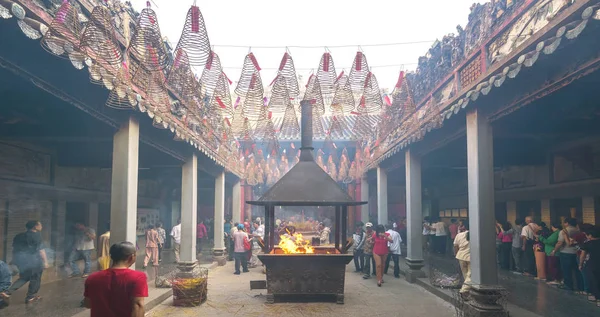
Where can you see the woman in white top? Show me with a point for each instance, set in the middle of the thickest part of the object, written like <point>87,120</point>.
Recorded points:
<point>463,255</point>
<point>441,236</point>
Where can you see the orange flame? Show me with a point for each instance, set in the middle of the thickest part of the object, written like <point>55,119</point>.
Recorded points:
<point>295,244</point>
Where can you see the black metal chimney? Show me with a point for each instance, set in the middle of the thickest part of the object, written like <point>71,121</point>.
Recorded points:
<point>306,130</point>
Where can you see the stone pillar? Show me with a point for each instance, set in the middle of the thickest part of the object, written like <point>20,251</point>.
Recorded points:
<point>124,184</point>
<point>219,249</point>
<point>189,210</point>
<point>511,211</point>
<point>382,197</point>
<point>364,196</point>
<point>589,210</point>
<point>545,204</point>
<point>414,217</point>
<point>485,290</point>
<point>236,202</point>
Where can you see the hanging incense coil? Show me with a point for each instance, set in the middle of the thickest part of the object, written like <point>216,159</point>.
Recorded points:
<point>221,98</point>
<point>99,40</point>
<point>64,31</point>
<point>313,94</point>
<point>280,97</point>
<point>337,126</point>
<point>362,125</point>
<point>287,71</point>
<point>254,100</point>
<point>318,131</point>
<point>327,76</point>
<point>343,98</point>
<point>290,129</point>
<point>181,79</point>
<point>403,102</point>
<point>250,77</point>
<point>358,73</point>
<point>371,97</point>
<point>194,38</point>
<point>211,73</point>
<point>153,84</point>
<point>121,98</point>
<point>146,44</point>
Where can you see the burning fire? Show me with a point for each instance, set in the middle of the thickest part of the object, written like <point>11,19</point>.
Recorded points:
<point>295,244</point>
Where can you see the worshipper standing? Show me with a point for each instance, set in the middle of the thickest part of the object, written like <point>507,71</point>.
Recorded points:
<point>239,250</point>
<point>358,238</point>
<point>152,243</point>
<point>234,228</point>
<point>589,260</point>
<point>579,239</point>
<point>395,250</point>
<point>453,229</point>
<point>30,258</point>
<point>498,242</point>
<point>426,234</point>
<point>5,281</point>
<point>567,251</point>
<point>162,238</point>
<point>540,252</point>
<point>103,249</point>
<point>462,253</point>
<point>461,225</point>
<point>517,244</point>
<point>201,234</point>
<point>380,251</point>
<point>368,251</point>
<point>259,234</point>
<point>553,273</point>
<point>176,235</point>
<point>528,239</point>
<point>324,232</point>
<point>84,245</point>
<point>402,230</point>
<point>505,236</point>
<point>118,291</point>
<point>440,236</point>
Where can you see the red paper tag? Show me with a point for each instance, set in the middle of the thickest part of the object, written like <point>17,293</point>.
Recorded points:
<point>400,79</point>
<point>358,61</point>
<point>270,114</point>
<point>326,58</point>
<point>274,79</point>
<point>195,19</point>
<point>253,81</point>
<point>368,79</point>
<point>228,80</point>
<point>354,113</point>
<point>227,121</point>
<point>309,79</point>
<point>339,76</point>
<point>177,58</point>
<point>220,102</point>
<point>253,59</point>
<point>224,136</point>
<point>387,100</point>
<point>362,101</point>
<point>283,61</point>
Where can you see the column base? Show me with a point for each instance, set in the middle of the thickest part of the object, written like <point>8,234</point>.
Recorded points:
<point>486,301</point>
<point>186,269</point>
<point>219,256</point>
<point>414,270</point>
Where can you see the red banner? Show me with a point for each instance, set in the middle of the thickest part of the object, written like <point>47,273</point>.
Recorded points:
<point>253,59</point>
<point>400,79</point>
<point>221,104</point>
<point>283,61</point>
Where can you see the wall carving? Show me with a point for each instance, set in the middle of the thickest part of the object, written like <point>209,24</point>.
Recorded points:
<point>471,72</point>
<point>83,178</point>
<point>23,164</point>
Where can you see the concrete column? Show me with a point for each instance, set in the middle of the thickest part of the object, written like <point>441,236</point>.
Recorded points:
<point>189,209</point>
<point>589,210</point>
<point>414,217</point>
<point>124,186</point>
<point>545,204</point>
<point>480,167</point>
<point>219,249</point>
<point>364,196</point>
<point>236,202</point>
<point>511,211</point>
<point>382,197</point>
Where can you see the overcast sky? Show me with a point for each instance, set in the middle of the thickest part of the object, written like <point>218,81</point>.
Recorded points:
<point>320,23</point>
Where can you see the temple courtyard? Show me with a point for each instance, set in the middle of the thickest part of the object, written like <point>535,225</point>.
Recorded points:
<point>230,295</point>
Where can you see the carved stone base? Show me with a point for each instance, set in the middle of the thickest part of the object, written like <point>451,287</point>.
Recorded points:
<point>339,299</point>
<point>414,270</point>
<point>270,299</point>
<point>484,301</point>
<point>186,269</point>
<point>219,256</point>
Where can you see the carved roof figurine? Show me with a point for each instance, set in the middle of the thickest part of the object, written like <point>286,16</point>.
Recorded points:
<point>289,126</point>
<point>221,98</point>
<point>250,77</point>
<point>64,31</point>
<point>211,73</point>
<point>358,73</point>
<point>146,44</point>
<point>280,96</point>
<point>181,78</point>
<point>99,39</point>
<point>313,94</point>
<point>327,76</point>
<point>254,100</point>
<point>288,72</point>
<point>194,38</point>
<point>343,98</point>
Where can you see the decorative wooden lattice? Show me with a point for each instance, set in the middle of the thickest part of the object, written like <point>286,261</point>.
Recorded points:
<point>371,97</point>
<point>313,94</point>
<point>327,76</point>
<point>194,38</point>
<point>64,32</point>
<point>287,71</point>
<point>181,79</point>
<point>211,73</point>
<point>146,44</point>
<point>250,77</point>
<point>99,39</point>
<point>289,126</point>
<point>343,98</point>
<point>280,97</point>
<point>471,72</point>
<point>358,73</point>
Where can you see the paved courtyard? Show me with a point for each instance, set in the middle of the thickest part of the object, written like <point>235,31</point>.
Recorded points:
<point>230,295</point>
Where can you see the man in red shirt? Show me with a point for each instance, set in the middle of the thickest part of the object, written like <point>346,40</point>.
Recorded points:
<point>201,233</point>
<point>117,291</point>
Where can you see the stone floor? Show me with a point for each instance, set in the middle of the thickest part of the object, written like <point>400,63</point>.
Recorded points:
<point>230,295</point>
<point>62,298</point>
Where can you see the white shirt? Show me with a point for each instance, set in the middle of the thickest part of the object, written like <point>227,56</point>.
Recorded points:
<point>464,249</point>
<point>440,229</point>
<point>176,233</point>
<point>260,231</point>
<point>528,232</point>
<point>394,245</point>
<point>426,226</point>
